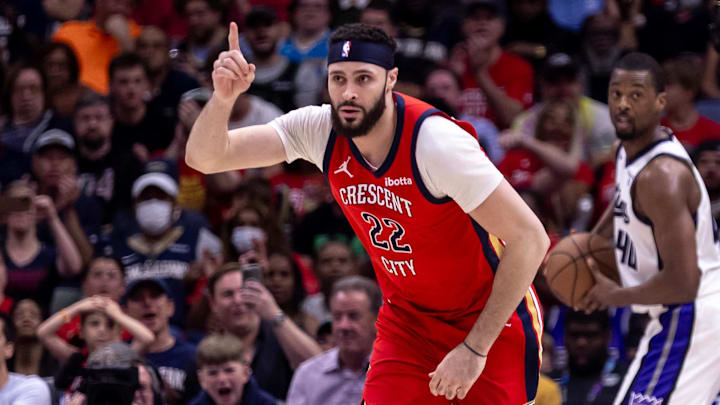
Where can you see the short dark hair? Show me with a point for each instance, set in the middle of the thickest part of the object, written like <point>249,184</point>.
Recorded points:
<point>90,98</point>
<point>637,61</point>
<point>705,146</point>
<point>126,61</point>
<point>73,64</point>
<point>224,270</point>
<point>363,284</point>
<point>363,33</point>
<point>8,328</point>
<point>599,317</point>
<point>683,71</point>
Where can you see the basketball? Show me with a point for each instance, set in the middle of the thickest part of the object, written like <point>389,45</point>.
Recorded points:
<point>567,272</point>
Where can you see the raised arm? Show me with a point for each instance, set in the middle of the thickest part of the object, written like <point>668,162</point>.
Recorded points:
<point>210,147</point>
<point>47,331</point>
<point>142,336</point>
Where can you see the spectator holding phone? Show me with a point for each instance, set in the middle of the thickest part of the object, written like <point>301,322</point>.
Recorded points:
<point>33,267</point>
<point>247,310</point>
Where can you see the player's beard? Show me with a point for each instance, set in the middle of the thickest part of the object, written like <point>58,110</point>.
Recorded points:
<point>367,123</point>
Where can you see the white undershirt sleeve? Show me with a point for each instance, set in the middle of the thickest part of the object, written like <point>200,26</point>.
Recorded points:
<point>304,133</point>
<point>451,163</point>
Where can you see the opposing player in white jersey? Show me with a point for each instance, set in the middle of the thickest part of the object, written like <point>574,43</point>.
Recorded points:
<point>666,248</point>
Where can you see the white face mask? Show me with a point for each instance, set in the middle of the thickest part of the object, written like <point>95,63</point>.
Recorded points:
<point>154,216</point>
<point>243,236</point>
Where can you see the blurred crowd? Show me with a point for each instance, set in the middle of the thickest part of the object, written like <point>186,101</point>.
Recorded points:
<point>249,287</point>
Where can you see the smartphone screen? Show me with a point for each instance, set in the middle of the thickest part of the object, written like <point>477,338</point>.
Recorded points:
<point>252,271</point>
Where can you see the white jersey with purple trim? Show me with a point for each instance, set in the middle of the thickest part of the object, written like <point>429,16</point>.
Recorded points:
<point>677,362</point>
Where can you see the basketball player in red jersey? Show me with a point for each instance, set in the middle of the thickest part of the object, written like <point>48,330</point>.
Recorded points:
<point>453,246</point>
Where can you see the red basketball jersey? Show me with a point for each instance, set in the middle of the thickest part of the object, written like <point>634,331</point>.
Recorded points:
<point>427,253</point>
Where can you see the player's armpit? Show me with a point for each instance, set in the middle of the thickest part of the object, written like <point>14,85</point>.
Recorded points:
<point>667,195</point>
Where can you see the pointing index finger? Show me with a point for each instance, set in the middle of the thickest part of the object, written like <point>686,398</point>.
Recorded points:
<point>233,41</point>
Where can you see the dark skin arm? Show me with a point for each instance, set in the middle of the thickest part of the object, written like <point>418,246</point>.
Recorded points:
<point>668,195</point>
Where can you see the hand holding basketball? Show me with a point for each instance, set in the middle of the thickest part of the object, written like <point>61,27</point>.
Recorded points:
<point>601,293</point>
<point>232,74</point>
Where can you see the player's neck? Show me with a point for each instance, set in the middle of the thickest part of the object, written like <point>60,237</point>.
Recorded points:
<point>637,145</point>
<point>375,146</point>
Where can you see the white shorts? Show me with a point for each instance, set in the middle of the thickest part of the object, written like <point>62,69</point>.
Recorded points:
<point>678,360</point>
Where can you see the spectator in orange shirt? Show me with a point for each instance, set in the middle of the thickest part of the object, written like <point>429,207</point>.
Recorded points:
<point>97,41</point>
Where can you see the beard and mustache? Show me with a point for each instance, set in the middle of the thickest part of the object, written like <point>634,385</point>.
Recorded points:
<point>365,124</point>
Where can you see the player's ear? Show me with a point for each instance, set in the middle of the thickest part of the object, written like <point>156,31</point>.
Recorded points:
<point>661,101</point>
<point>392,78</point>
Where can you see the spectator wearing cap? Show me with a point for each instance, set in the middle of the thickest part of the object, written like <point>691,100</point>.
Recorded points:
<point>497,85</point>
<point>594,134</point>
<point>167,84</point>
<point>148,301</point>
<point>25,103</point>
<point>54,168</point>
<point>135,125</point>
<point>224,374</point>
<point>97,41</point>
<point>247,310</point>
<point>682,85</point>
<point>337,376</point>
<point>16,389</point>
<point>34,267</point>
<point>707,160</point>
<point>601,49</point>
<point>286,84</point>
<point>163,240</point>
<point>104,174</point>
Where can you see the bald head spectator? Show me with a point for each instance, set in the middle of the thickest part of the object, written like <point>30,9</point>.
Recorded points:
<point>337,376</point>
<point>97,41</point>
